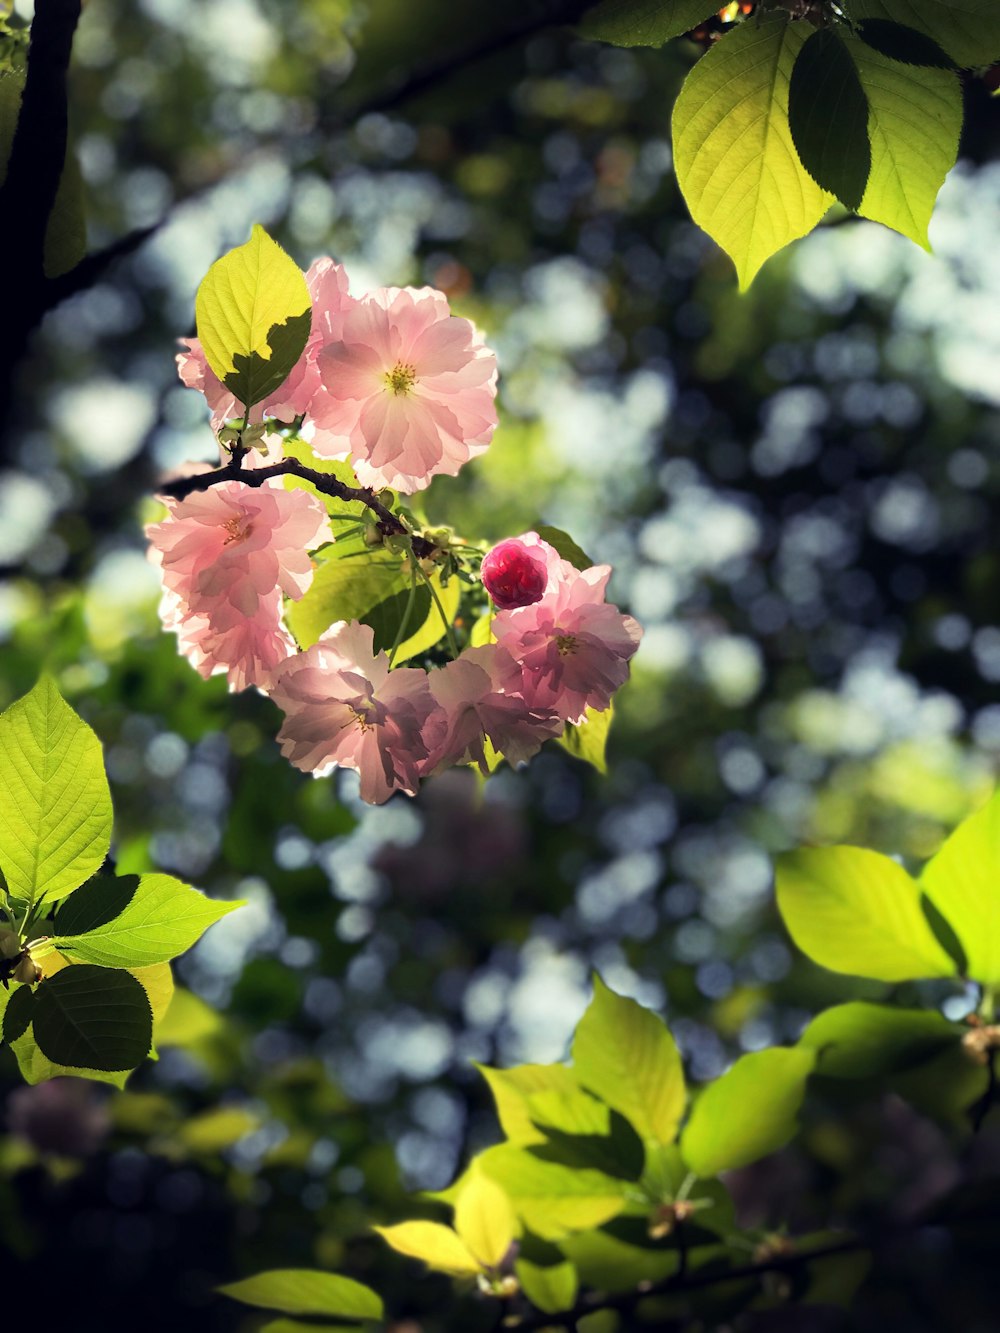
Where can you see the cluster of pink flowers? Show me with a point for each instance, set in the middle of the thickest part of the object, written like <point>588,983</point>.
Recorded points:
<point>392,381</point>
<point>555,657</point>
<point>226,557</point>
<point>395,383</point>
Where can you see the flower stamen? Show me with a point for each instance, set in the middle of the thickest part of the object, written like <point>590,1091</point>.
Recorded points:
<point>239,528</point>
<point>401,379</point>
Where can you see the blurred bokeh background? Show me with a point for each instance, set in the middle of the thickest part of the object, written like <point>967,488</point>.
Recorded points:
<point>797,489</point>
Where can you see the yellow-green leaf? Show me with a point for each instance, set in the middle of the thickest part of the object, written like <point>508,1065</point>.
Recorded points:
<point>433,1244</point>
<point>553,1200</point>
<point>512,1090</point>
<point>485,1219</point>
<point>624,1054</point>
<point>858,912</point>
<point>968,30</point>
<point>736,164</point>
<point>963,883</point>
<point>588,740</point>
<point>914,123</point>
<point>253,315</point>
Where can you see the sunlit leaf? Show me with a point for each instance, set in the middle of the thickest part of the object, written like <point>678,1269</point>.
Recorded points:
<point>485,1219</point>
<point>433,1244</point>
<point>306,1291</point>
<point>550,1199</point>
<point>512,1089</point>
<point>736,164</point>
<point>55,806</point>
<point>253,315</point>
<point>348,586</point>
<point>968,30</point>
<point>914,124</point>
<point>161,919</point>
<point>748,1113</point>
<point>862,1040</point>
<point>624,1054</point>
<point>550,1289</point>
<point>856,911</point>
<point>588,739</point>
<point>962,883</point>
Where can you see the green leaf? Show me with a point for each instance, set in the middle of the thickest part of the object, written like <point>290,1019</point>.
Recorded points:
<point>751,1111</point>
<point>38,1068</point>
<point>968,30</point>
<point>588,740</point>
<point>302,1326</point>
<point>306,1291</point>
<point>961,881</point>
<point>426,626</point>
<point>93,1018</point>
<point>861,1040</point>
<point>736,164</point>
<point>485,1220</point>
<point>433,1244</point>
<point>914,123</point>
<point>17,1013</point>
<point>625,1055</point>
<point>253,315</point>
<point>565,546</point>
<point>160,919</point>
<point>904,44</point>
<point>828,117</point>
<point>612,1262</point>
<point>643,22</point>
<point>334,467</point>
<point>549,1289</point>
<point>618,1151</point>
<point>856,911</point>
<point>347,585</point>
<point>550,1199</point>
<point>512,1090</point>
<point>55,806</point>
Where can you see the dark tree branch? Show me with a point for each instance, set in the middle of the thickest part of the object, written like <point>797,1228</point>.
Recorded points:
<point>680,1283</point>
<point>388,522</point>
<point>552,13</point>
<point>92,268</point>
<point>38,152</point>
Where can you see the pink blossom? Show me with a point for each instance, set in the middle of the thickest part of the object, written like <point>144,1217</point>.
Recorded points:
<point>410,386</point>
<point>513,575</point>
<point>327,283</point>
<point>248,649</point>
<point>478,696</point>
<point>572,646</point>
<point>345,709</point>
<point>234,543</point>
<point>226,556</point>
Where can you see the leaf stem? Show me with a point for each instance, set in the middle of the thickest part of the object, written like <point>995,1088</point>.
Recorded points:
<point>449,632</point>
<point>406,613</point>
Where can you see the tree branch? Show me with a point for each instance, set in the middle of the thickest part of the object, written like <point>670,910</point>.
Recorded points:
<point>388,522</point>
<point>681,1283</point>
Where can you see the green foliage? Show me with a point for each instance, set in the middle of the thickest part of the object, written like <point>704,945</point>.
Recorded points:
<point>86,996</point>
<point>914,123</point>
<point>55,811</point>
<point>861,1040</point>
<point>160,918</point>
<point>967,30</point>
<point>565,545</point>
<point>551,1287</point>
<point>253,315</point>
<point>856,911</point>
<point>828,117</point>
<point>588,740</point>
<point>643,22</point>
<point>736,163</point>
<point>748,1113</point>
<point>303,1291</point>
<point>625,1055</point>
<point>961,882</point>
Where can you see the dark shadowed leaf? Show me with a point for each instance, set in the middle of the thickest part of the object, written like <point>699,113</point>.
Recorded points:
<point>93,1018</point>
<point>828,116</point>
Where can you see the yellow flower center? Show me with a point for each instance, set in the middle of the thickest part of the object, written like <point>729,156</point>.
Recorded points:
<point>565,644</point>
<point>239,528</point>
<point>401,379</point>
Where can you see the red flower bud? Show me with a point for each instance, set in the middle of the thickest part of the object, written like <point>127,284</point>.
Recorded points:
<point>513,576</point>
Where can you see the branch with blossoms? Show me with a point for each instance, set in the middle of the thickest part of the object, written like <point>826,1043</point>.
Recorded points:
<point>294,567</point>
